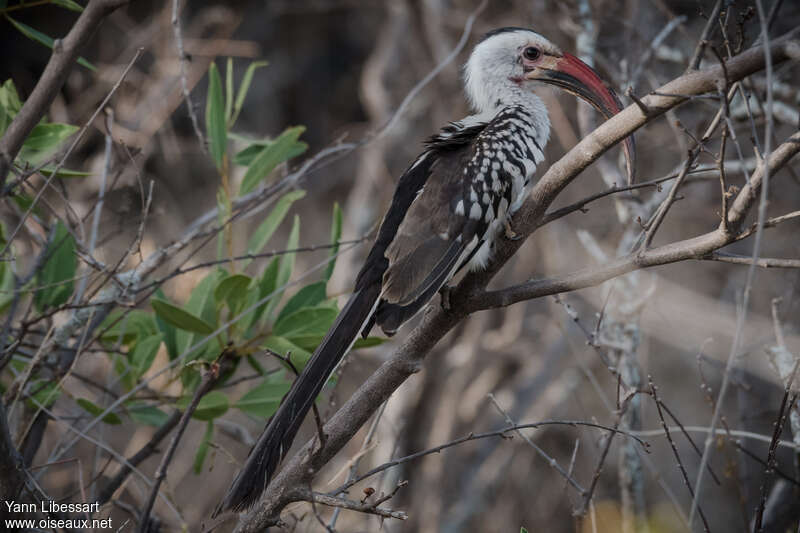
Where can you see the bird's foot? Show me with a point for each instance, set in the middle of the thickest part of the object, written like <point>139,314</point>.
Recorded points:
<point>510,233</point>
<point>444,292</point>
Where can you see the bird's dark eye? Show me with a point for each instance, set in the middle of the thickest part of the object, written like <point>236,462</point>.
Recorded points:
<point>532,53</point>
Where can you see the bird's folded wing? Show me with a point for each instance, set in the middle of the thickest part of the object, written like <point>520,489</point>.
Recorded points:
<point>432,237</point>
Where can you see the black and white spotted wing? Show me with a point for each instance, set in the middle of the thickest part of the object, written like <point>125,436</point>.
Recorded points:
<point>481,173</point>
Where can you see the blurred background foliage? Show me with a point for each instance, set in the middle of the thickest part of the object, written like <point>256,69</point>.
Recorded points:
<point>276,82</point>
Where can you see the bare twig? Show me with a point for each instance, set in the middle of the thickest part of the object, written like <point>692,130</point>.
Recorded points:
<point>763,262</point>
<point>335,501</point>
<point>751,271</point>
<point>684,475</point>
<point>787,404</point>
<point>551,461</point>
<point>503,433</point>
<point>183,58</point>
<point>209,380</point>
<point>702,42</point>
<point>146,451</point>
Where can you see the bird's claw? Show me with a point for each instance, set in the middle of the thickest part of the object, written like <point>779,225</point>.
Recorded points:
<point>510,233</point>
<point>444,292</point>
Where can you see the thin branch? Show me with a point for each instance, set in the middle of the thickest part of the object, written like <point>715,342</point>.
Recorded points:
<point>503,433</point>
<point>462,42</point>
<point>209,380</point>
<point>684,475</point>
<point>751,271</point>
<point>146,451</point>
<point>183,58</point>
<point>550,460</point>
<point>702,42</point>
<point>763,262</point>
<point>335,501</point>
<point>769,223</point>
<point>787,404</point>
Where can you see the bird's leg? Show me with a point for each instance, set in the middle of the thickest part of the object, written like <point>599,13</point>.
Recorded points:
<point>444,293</point>
<point>509,231</point>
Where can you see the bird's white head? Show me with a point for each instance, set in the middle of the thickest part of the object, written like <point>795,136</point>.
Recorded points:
<point>509,63</point>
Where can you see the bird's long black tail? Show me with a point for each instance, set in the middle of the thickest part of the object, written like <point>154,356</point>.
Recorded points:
<point>277,438</point>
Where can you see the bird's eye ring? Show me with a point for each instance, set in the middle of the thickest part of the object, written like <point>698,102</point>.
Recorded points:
<point>532,53</point>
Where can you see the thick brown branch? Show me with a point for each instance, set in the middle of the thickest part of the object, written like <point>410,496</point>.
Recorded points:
<point>65,53</point>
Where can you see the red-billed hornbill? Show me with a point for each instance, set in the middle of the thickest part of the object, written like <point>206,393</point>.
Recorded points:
<point>448,209</point>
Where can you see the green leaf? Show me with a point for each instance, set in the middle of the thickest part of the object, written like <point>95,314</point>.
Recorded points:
<point>228,90</point>
<point>283,346</point>
<point>336,234</point>
<point>286,266</point>
<point>215,117</point>
<point>56,278</point>
<point>307,321</point>
<point>202,450</point>
<point>523,530</point>
<point>244,88</point>
<point>284,147</point>
<point>64,172</point>
<point>45,393</point>
<point>245,157</point>
<point>212,405</point>
<point>262,401</point>
<point>10,104</point>
<point>260,290</point>
<point>170,333</point>
<point>309,296</point>
<point>147,414</point>
<point>232,291</point>
<point>255,365</point>
<point>267,228</point>
<point>369,342</point>
<point>96,410</point>
<point>9,98</point>
<point>143,354</point>
<point>68,4</point>
<point>46,137</point>
<point>7,282</point>
<point>41,38</point>
<point>126,329</point>
<point>25,202</point>
<point>310,342</point>
<point>123,369</point>
<point>180,318</point>
<point>6,286</point>
<point>202,304</point>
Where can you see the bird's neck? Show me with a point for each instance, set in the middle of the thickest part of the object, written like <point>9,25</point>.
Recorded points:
<point>523,101</point>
